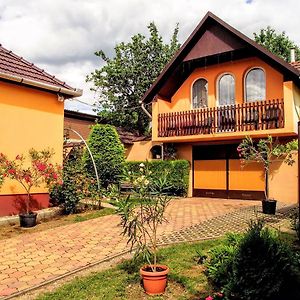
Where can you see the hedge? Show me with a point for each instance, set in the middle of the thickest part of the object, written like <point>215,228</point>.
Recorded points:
<point>177,173</point>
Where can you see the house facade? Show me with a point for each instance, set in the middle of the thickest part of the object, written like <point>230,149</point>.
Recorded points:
<point>220,87</point>
<point>137,148</point>
<point>32,116</point>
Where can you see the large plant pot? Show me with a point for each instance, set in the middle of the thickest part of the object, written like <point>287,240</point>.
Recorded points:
<point>269,206</point>
<point>28,220</point>
<point>154,282</point>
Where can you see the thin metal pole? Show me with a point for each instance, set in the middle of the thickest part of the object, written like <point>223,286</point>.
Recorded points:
<point>91,155</point>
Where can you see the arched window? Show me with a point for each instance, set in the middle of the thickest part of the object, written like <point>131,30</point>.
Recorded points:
<point>226,88</point>
<point>255,85</point>
<point>199,97</point>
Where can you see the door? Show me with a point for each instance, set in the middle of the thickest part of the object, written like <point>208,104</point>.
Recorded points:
<point>218,173</point>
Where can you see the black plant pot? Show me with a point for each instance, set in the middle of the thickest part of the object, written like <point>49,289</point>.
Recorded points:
<point>28,220</point>
<point>269,206</point>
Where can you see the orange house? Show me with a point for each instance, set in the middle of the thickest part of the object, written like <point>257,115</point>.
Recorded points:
<point>32,116</point>
<point>219,87</point>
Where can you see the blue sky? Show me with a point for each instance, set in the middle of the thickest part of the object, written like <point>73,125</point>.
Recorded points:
<point>61,36</point>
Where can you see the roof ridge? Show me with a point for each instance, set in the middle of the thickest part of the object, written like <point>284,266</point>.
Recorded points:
<point>20,58</point>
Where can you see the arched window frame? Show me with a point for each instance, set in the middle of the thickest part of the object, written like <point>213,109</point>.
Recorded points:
<point>218,87</point>
<point>192,87</point>
<point>245,83</point>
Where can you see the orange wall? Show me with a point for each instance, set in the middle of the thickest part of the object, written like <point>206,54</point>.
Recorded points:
<point>275,88</point>
<point>182,98</point>
<point>139,151</point>
<point>30,118</point>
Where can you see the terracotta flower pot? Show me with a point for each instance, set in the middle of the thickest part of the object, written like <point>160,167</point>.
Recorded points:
<point>154,282</point>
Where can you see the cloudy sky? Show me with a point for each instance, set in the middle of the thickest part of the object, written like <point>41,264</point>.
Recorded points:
<point>61,36</point>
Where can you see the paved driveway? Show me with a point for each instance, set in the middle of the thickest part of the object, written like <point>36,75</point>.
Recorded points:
<point>32,259</point>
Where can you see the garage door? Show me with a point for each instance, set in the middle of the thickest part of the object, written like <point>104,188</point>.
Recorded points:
<point>218,173</point>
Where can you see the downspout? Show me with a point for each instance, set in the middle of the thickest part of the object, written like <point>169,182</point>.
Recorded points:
<point>145,110</point>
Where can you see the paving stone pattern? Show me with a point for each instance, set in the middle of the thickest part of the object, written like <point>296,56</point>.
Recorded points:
<point>32,259</point>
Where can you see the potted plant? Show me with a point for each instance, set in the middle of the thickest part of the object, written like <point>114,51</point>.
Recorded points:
<point>141,214</point>
<point>33,173</point>
<point>266,151</point>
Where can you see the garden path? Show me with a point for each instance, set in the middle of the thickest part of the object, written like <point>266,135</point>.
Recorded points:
<point>34,259</point>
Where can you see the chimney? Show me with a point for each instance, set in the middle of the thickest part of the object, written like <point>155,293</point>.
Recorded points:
<point>293,56</point>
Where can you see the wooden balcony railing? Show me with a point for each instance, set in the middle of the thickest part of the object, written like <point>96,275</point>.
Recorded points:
<point>258,115</point>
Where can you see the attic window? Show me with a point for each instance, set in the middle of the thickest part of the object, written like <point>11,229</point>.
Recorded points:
<point>255,85</point>
<point>199,94</point>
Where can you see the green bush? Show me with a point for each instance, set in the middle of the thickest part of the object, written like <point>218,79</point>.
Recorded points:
<point>260,266</point>
<point>76,184</point>
<point>177,173</point>
<point>108,153</point>
<point>219,264</point>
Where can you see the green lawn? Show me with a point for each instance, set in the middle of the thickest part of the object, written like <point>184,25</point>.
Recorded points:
<point>186,279</point>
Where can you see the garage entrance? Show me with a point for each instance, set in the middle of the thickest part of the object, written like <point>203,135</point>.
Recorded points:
<point>218,173</point>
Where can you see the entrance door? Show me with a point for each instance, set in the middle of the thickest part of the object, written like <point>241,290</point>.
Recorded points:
<point>218,173</point>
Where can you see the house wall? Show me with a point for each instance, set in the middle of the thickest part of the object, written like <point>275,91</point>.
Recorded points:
<point>81,126</point>
<point>275,89</point>
<point>139,151</point>
<point>30,118</point>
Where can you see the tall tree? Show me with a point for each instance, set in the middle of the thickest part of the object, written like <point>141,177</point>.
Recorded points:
<point>278,43</point>
<point>124,79</point>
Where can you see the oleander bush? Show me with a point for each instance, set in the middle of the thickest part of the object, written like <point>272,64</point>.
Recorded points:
<point>177,173</point>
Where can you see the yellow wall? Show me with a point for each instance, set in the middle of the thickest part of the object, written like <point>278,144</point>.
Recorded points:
<point>30,118</point>
<point>139,151</point>
<point>275,89</point>
<point>284,182</point>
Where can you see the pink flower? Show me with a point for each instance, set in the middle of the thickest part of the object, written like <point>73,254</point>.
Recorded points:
<point>209,298</point>
<point>11,171</point>
<point>41,167</point>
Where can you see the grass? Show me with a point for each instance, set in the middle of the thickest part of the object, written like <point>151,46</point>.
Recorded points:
<point>186,279</point>
<point>12,231</point>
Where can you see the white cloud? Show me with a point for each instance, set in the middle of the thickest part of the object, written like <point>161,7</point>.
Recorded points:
<point>61,36</point>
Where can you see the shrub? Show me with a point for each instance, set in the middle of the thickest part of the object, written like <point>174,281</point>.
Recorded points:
<point>260,266</point>
<point>76,184</point>
<point>221,258</point>
<point>177,173</point>
<point>108,153</point>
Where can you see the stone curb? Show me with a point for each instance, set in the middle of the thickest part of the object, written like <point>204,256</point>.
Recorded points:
<point>43,214</point>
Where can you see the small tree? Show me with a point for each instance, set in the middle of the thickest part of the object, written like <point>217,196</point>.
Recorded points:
<point>266,151</point>
<point>40,171</point>
<point>108,153</point>
<point>141,217</point>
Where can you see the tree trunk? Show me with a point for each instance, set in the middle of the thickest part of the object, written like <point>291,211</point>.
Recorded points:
<point>267,184</point>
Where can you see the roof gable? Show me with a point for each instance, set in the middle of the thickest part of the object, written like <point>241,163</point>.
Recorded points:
<point>213,41</point>
<point>13,67</point>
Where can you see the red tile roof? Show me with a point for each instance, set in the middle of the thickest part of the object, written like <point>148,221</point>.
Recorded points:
<point>296,65</point>
<point>15,65</point>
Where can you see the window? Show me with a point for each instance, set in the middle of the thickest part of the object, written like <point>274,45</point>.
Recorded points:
<point>226,90</point>
<point>255,85</point>
<point>199,97</point>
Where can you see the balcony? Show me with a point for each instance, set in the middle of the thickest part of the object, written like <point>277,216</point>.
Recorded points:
<point>260,115</point>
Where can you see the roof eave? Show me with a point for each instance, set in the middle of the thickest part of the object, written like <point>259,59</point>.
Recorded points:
<point>42,85</point>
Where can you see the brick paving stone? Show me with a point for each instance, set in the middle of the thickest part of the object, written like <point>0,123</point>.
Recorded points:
<point>48,254</point>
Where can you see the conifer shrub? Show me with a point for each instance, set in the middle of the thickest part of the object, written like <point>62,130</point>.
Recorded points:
<point>108,153</point>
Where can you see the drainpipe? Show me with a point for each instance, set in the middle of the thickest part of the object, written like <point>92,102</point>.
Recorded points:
<point>145,110</point>
<point>293,55</point>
